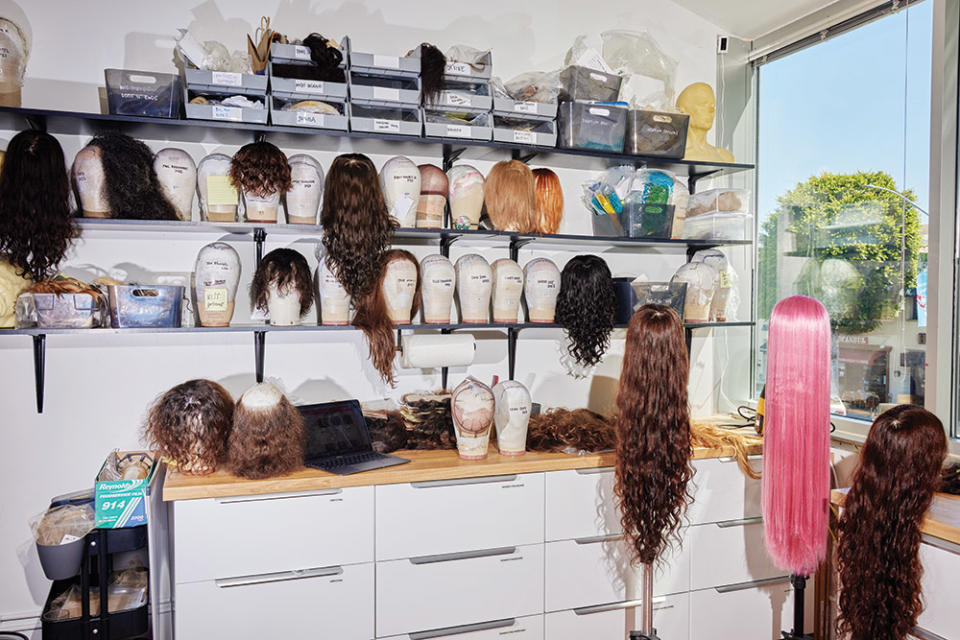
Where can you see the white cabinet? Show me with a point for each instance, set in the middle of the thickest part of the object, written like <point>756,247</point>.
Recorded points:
<point>614,622</point>
<point>727,553</point>
<point>580,504</point>
<point>722,492</point>
<point>757,612</point>
<point>941,566</point>
<point>528,628</point>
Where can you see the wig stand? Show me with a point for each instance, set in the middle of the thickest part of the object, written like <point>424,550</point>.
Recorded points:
<point>646,632</point>
<point>799,586</point>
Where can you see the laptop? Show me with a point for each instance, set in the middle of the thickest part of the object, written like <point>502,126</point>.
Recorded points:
<point>338,440</point>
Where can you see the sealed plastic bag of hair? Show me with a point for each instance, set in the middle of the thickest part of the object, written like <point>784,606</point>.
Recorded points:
<point>63,524</point>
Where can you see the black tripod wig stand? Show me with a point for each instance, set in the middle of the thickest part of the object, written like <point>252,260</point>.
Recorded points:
<point>799,584</point>
<point>646,632</point>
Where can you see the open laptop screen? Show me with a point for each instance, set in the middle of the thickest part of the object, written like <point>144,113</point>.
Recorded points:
<point>334,428</point>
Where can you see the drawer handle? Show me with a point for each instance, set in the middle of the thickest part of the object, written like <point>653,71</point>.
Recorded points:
<point>940,543</point>
<point>282,576</point>
<point>464,555</point>
<point>596,539</point>
<point>614,606</point>
<point>740,586</point>
<point>590,472</point>
<point>279,496</point>
<point>923,634</point>
<point>727,524</point>
<point>457,482</point>
<point>466,628</point>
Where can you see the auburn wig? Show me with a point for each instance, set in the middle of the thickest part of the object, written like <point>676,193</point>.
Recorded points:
<point>549,200</point>
<point>268,434</point>
<point>566,430</point>
<point>286,269</point>
<point>432,67</point>
<point>880,535</point>
<point>510,195</point>
<point>585,307</point>
<point>373,319</point>
<point>190,425</point>
<point>36,226</point>
<point>357,229</point>
<point>653,431</point>
<point>260,169</point>
<point>133,189</point>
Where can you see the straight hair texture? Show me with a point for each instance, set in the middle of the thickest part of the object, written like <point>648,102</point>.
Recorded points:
<point>549,200</point>
<point>132,186</point>
<point>36,226</point>
<point>893,486</point>
<point>357,229</point>
<point>289,271</point>
<point>268,434</point>
<point>585,307</point>
<point>510,196</point>
<point>260,169</point>
<point>432,66</point>
<point>653,431</point>
<point>796,434</point>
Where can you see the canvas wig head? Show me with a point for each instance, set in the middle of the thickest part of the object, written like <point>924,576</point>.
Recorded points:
<point>260,169</point>
<point>586,306</point>
<point>510,197</point>
<point>286,269</point>
<point>268,434</point>
<point>796,440</point>
<point>549,200</point>
<point>653,431</point>
<point>880,572</point>
<point>133,189</point>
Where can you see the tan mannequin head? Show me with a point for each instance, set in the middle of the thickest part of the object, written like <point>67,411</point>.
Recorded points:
<point>474,286</point>
<point>334,299</point>
<point>439,279</point>
<point>507,289</point>
<point>399,288</point>
<point>178,178</point>
<point>90,183</point>
<point>699,102</point>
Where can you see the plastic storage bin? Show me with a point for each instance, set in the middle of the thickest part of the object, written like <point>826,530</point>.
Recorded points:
<point>541,133</point>
<point>654,133</point>
<point>475,126</point>
<point>633,295</point>
<point>718,226</point>
<point>717,201</point>
<point>482,69</point>
<point>376,64</point>
<point>144,306</point>
<point>395,120</point>
<point>525,108</point>
<point>582,83</point>
<point>210,111</point>
<point>143,93</point>
<point>293,118</point>
<point>647,220</point>
<point>467,96</point>
<point>607,226</point>
<point>585,125</point>
<point>300,88</point>
<point>381,90</point>
<point>67,310</point>
<point>223,81</point>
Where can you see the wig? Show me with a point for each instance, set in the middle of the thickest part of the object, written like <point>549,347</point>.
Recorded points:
<point>357,228</point>
<point>549,200</point>
<point>268,434</point>
<point>429,421</point>
<point>190,425</point>
<point>653,431</point>
<point>708,437</point>
<point>36,227</point>
<point>586,306</point>
<point>373,319</point>
<point>950,480</point>
<point>326,57</point>
<point>510,195</point>
<point>796,434</point>
<point>432,66</point>
<point>880,592</point>
<point>133,189</point>
<point>260,169</point>
<point>286,269</point>
<point>566,430</point>
<point>388,432</point>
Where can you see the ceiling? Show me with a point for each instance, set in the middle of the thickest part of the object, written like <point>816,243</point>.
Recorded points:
<point>750,19</point>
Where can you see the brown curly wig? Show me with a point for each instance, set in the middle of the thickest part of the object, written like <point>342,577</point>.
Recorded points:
<point>585,307</point>
<point>653,431</point>
<point>36,228</point>
<point>289,271</point>
<point>578,430</point>
<point>892,489</point>
<point>268,434</point>
<point>260,169</point>
<point>133,189</point>
<point>509,194</point>
<point>357,229</point>
<point>549,200</point>
<point>190,425</point>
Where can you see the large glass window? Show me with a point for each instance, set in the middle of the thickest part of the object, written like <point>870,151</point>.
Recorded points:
<point>842,201</point>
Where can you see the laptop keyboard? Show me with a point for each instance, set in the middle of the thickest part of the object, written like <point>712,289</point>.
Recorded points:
<point>355,458</point>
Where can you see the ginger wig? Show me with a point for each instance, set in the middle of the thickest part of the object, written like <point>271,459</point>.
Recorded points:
<point>268,434</point>
<point>36,226</point>
<point>260,169</point>
<point>133,188</point>
<point>892,489</point>
<point>357,229</point>
<point>585,307</point>
<point>549,200</point>
<point>510,195</point>
<point>288,270</point>
<point>653,431</point>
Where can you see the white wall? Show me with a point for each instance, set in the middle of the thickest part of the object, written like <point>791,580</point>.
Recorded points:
<point>99,386</point>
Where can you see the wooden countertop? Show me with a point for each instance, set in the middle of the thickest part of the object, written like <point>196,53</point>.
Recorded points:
<point>942,521</point>
<point>423,466</point>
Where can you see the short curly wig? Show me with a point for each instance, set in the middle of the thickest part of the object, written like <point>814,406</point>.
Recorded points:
<point>268,434</point>
<point>289,271</point>
<point>586,307</point>
<point>260,169</point>
<point>133,188</point>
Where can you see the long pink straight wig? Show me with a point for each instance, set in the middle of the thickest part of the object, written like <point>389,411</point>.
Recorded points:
<point>796,438</point>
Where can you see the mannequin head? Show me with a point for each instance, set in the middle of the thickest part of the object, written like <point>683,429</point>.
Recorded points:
<point>400,285</point>
<point>400,182</point>
<point>585,307</point>
<point>133,189</point>
<point>702,280</point>
<point>510,197</point>
<point>14,51</point>
<point>334,301</point>
<point>216,276</point>
<point>177,174</point>
<point>261,172</point>
<point>473,404</point>
<point>90,183</point>
<point>438,279</point>
<point>218,196</point>
<point>282,286</point>
<point>474,287</point>
<point>433,197</point>
<point>268,435</point>
<point>699,102</point>
<point>541,287</point>
<point>465,186</point>
<point>511,415</point>
<point>507,289</point>
<point>306,191</point>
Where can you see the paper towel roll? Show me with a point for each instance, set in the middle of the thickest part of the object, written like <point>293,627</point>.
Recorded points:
<point>437,350</point>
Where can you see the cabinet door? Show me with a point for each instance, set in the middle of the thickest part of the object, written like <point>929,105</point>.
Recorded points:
<point>729,553</point>
<point>528,628</point>
<point>941,567</point>
<point>580,504</point>
<point>722,492</point>
<point>757,611</point>
<point>615,621</point>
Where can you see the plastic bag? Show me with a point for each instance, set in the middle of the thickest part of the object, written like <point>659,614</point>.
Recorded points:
<point>63,524</point>
<point>726,299</point>
<point>581,55</point>
<point>468,55</point>
<point>638,53</point>
<point>533,86</point>
<point>605,197</point>
<point>211,55</point>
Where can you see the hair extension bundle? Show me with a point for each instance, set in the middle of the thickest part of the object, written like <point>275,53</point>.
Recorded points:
<point>510,195</point>
<point>36,226</point>
<point>708,437</point>
<point>577,430</point>
<point>950,481</point>
<point>585,307</point>
<point>549,200</point>
<point>288,271</point>
<point>133,189</point>
<point>388,431</point>
<point>268,434</point>
<point>357,228</point>
<point>653,431</point>
<point>796,434</point>
<point>260,169</point>
<point>429,421</point>
<point>432,66</point>
<point>880,590</point>
<point>190,425</point>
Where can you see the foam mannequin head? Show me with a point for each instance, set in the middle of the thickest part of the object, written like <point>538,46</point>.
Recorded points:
<point>465,195</point>
<point>541,288</point>
<point>474,286</point>
<point>439,280</point>
<point>433,197</point>
<point>472,403</point>
<point>303,199</point>
<point>218,197</point>
<point>90,183</point>
<point>334,299</point>
<point>14,51</point>
<point>726,279</point>
<point>400,182</point>
<point>511,415</point>
<point>399,288</point>
<point>507,289</point>
<point>177,173</point>
<point>701,281</point>
<point>216,276</point>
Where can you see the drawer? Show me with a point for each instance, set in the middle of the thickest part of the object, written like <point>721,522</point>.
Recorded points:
<point>228,537</point>
<point>729,553</point>
<point>941,566</point>
<point>755,611</point>
<point>580,504</point>
<point>528,628</point>
<point>448,516</point>
<point>721,491</point>
<point>332,602</point>
<point>614,622</point>
<point>435,592</point>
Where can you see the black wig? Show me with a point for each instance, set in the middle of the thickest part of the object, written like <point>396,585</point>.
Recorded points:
<point>326,62</point>
<point>133,189</point>
<point>586,306</point>
<point>432,66</point>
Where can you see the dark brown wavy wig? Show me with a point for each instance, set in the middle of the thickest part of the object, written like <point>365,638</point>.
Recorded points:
<point>510,195</point>
<point>653,431</point>
<point>586,306</point>
<point>373,319</point>
<point>266,440</point>
<point>566,430</point>
<point>432,66</point>
<point>260,169</point>
<point>892,489</point>
<point>190,425</point>
<point>36,227</point>
<point>429,421</point>
<point>289,271</point>
<point>357,229</point>
<point>326,62</point>
<point>388,433</point>
<point>133,189</point>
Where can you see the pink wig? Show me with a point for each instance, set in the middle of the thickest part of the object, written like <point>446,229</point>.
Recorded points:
<point>796,438</point>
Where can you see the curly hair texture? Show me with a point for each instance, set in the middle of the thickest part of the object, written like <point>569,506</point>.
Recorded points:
<point>388,432</point>
<point>190,424</point>
<point>653,431</point>
<point>268,434</point>
<point>578,430</point>
<point>357,229</point>
<point>288,270</point>
<point>260,169</point>
<point>586,306</point>
<point>549,200</point>
<point>510,196</point>
<point>432,66</point>
<point>880,596</point>
<point>36,226</point>
<point>133,189</point>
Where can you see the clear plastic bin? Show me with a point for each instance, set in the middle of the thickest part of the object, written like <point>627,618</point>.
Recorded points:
<point>144,306</point>
<point>472,96</point>
<point>718,201</point>
<point>585,125</point>
<point>475,126</point>
<point>143,93</point>
<point>212,111</point>
<point>669,294</point>
<point>63,311</point>
<point>654,133</point>
<point>641,220</point>
<point>582,83</point>
<point>718,226</point>
<point>541,133</point>
<point>294,118</point>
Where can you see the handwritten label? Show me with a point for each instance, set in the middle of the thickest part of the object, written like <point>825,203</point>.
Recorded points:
<point>457,69</point>
<point>663,119</point>
<point>725,280</point>
<point>387,126</point>
<point>227,79</point>
<point>389,62</point>
<point>221,112</point>
<point>301,52</point>
<point>220,191</point>
<point>525,107</point>
<point>308,86</point>
<point>456,99</point>
<point>310,119</point>
<point>385,93</point>
<point>458,130</point>
<point>215,299</point>
<point>524,137</point>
